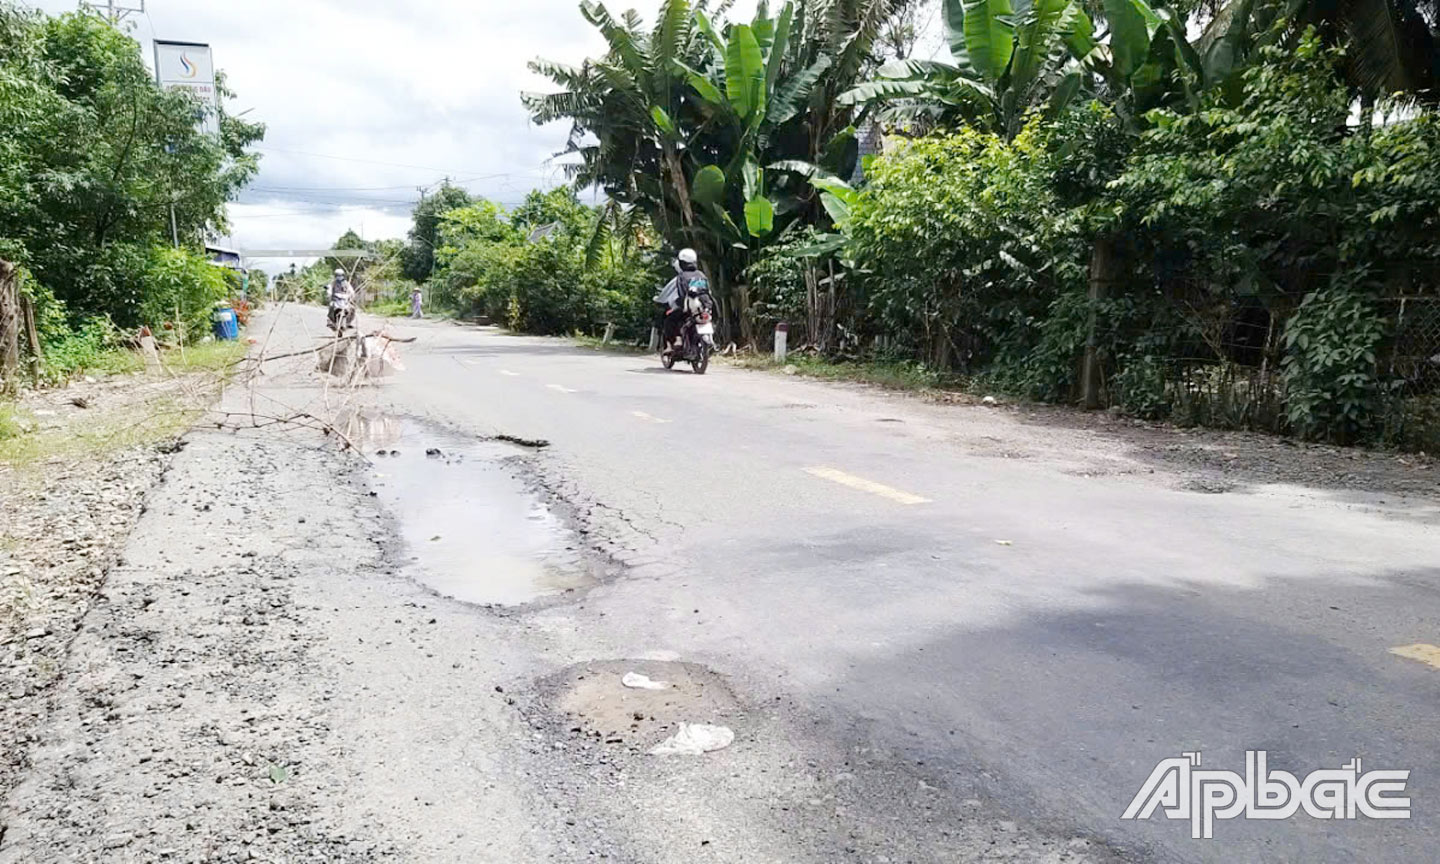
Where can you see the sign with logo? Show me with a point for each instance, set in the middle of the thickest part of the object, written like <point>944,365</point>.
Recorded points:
<point>189,66</point>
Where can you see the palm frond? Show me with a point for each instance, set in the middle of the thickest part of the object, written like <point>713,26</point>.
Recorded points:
<point>794,92</point>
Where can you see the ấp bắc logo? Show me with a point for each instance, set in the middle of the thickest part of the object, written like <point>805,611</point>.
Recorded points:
<point>1186,791</point>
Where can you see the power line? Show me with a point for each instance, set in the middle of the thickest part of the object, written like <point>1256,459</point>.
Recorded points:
<point>329,188</point>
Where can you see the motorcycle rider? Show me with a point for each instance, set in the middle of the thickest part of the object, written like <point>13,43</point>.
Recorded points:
<point>674,298</point>
<point>340,288</point>
<point>341,296</point>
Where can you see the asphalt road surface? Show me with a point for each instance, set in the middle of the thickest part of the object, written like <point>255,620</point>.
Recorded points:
<point>938,633</point>
<point>1040,632</point>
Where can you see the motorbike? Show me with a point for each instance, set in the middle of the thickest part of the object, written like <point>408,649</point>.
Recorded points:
<point>341,317</point>
<point>696,340</point>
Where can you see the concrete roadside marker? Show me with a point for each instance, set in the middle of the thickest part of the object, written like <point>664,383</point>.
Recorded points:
<point>836,476</point>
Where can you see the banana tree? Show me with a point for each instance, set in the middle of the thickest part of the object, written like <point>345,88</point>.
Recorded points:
<point>1004,63</point>
<point>625,111</point>
<point>737,94</point>
<point>746,89</point>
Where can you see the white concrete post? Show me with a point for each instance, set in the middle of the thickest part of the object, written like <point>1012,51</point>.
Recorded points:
<point>782,335</point>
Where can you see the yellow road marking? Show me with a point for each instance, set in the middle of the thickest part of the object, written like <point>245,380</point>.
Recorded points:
<point>836,476</point>
<point>508,372</point>
<point>561,389</point>
<point>643,416</point>
<point>1427,654</point>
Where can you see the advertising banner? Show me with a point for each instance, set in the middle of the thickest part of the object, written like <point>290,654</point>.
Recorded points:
<point>189,66</point>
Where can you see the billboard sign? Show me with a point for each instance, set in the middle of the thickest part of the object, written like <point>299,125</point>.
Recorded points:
<point>189,66</point>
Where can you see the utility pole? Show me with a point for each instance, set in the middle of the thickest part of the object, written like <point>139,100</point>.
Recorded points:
<point>116,12</point>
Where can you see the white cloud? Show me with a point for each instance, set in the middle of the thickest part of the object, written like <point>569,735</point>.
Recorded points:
<point>366,100</point>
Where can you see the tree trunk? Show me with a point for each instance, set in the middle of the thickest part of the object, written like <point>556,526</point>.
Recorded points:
<point>682,192</point>
<point>747,321</point>
<point>940,350</point>
<point>9,328</point>
<point>1104,264</point>
<point>724,305</point>
<point>827,321</point>
<point>812,303</point>
<point>1367,112</point>
<point>32,336</point>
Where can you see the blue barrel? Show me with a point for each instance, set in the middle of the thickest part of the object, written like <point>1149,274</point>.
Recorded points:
<point>227,328</point>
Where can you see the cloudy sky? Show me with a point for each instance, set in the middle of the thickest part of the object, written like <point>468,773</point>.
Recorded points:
<point>366,101</point>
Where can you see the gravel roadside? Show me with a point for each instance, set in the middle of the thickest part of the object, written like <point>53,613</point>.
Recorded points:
<point>64,516</point>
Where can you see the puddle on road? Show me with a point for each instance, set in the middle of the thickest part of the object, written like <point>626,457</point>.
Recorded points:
<point>471,529</point>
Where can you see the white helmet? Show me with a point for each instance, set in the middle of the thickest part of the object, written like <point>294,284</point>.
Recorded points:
<point>688,256</point>
<point>339,272</point>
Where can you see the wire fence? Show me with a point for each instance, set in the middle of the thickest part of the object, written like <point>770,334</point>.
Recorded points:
<point>1413,361</point>
<point>1229,372</point>
<point>1410,368</point>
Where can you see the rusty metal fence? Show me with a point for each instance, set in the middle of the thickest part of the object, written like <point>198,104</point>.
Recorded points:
<point>1411,370</point>
<point>1231,373</point>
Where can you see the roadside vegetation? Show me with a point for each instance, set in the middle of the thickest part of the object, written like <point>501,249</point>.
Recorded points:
<point>94,159</point>
<point>1216,213</point>
<point>552,265</point>
<point>97,417</point>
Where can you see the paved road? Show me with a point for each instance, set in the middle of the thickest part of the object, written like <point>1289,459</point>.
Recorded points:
<point>1038,632</point>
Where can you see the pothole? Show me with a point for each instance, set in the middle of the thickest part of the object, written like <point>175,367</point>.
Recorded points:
<point>592,707</point>
<point>471,529</point>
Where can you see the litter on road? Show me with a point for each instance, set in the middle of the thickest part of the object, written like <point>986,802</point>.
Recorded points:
<point>693,739</point>
<point>636,681</point>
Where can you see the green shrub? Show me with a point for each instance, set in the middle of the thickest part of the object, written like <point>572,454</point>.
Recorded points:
<point>489,266</point>
<point>180,289</point>
<point>1139,387</point>
<point>1332,388</point>
<point>93,347</point>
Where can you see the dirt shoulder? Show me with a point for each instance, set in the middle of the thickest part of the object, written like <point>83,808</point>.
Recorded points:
<point>76,467</point>
<point>1218,460</point>
<point>1200,459</point>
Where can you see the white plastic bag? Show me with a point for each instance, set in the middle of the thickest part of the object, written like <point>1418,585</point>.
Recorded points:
<point>636,681</point>
<point>693,739</point>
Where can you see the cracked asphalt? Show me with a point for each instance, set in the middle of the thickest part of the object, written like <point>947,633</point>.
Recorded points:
<point>928,651</point>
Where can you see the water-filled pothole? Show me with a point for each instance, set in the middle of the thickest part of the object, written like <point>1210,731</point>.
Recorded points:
<point>472,531</point>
